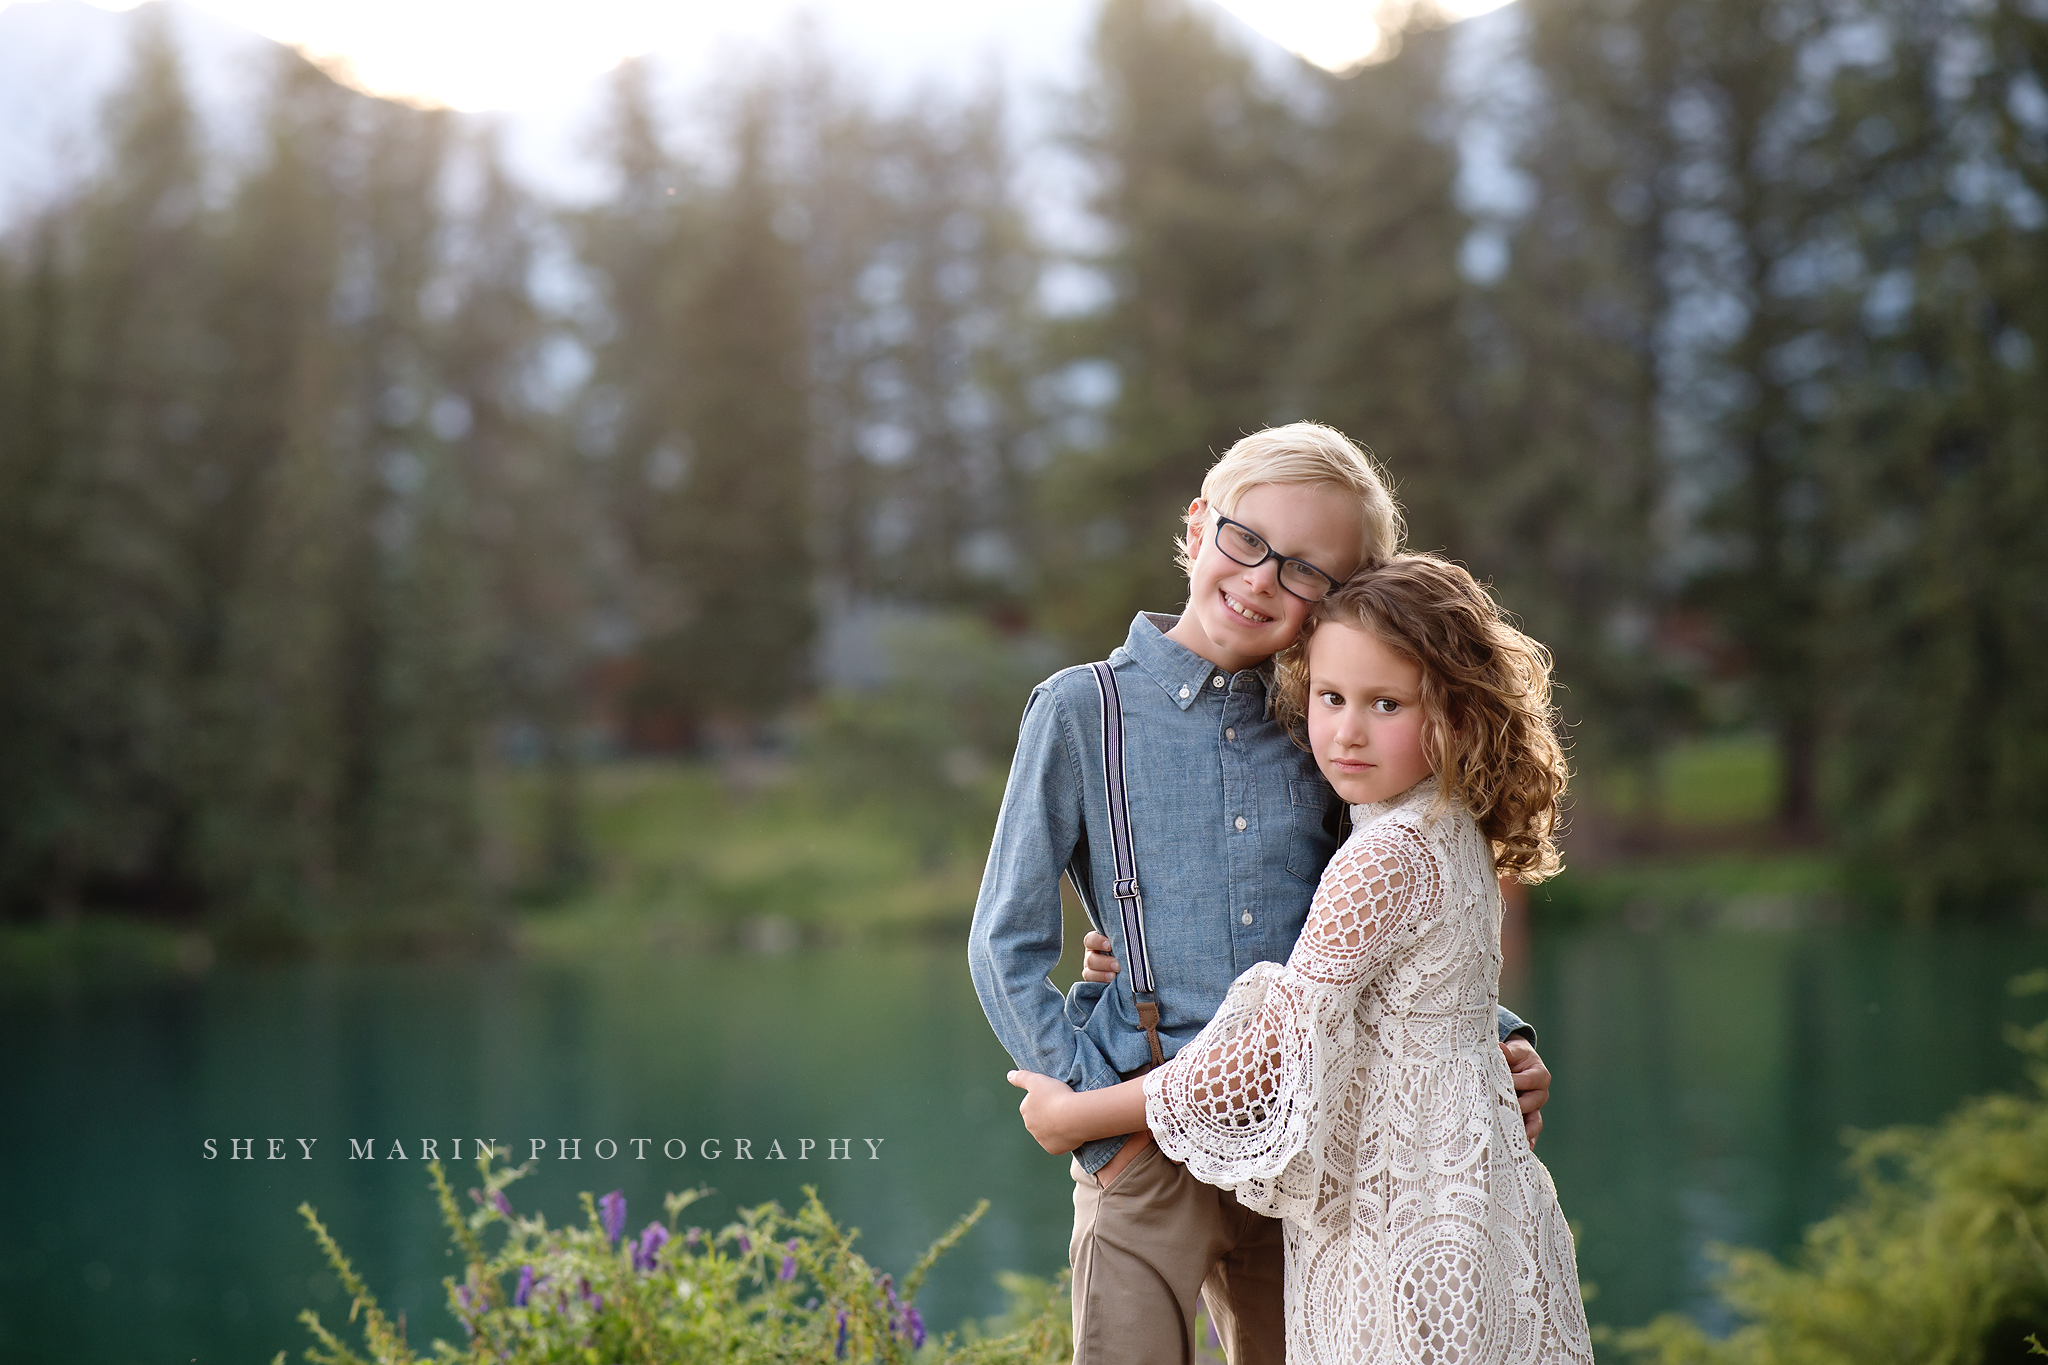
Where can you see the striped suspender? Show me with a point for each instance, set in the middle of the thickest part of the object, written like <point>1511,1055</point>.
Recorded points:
<point>1130,905</point>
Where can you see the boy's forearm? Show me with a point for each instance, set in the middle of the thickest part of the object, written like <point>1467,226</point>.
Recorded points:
<point>1009,964</point>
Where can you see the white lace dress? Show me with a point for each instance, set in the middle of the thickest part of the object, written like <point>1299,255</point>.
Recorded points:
<point>1358,1093</point>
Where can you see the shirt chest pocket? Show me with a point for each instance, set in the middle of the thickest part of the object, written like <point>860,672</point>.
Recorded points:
<point>1310,840</point>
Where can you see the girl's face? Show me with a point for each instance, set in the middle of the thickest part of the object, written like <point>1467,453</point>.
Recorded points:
<point>1365,719</point>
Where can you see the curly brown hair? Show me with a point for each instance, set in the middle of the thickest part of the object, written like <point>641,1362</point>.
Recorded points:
<point>1492,737</point>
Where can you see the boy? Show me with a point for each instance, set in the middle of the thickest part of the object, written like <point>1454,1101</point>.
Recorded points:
<point>1231,825</point>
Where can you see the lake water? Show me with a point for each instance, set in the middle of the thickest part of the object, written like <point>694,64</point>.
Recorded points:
<point>1704,1081</point>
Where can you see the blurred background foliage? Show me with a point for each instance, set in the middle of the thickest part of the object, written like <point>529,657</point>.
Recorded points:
<point>369,527</point>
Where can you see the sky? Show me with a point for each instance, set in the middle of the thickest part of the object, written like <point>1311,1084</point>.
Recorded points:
<point>539,67</point>
<point>521,54</point>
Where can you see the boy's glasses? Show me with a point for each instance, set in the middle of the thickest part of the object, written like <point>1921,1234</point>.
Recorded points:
<point>1249,548</point>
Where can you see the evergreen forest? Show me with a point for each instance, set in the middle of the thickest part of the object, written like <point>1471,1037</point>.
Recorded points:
<point>342,477</point>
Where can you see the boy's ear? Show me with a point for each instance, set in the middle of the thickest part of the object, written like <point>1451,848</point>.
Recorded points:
<point>1197,524</point>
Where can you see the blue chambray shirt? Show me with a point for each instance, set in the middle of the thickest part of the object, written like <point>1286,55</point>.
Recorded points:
<point>1231,824</point>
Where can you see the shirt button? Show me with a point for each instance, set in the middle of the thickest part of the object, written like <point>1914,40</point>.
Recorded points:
<point>1245,918</point>
<point>1216,681</point>
<point>1240,822</point>
<point>1230,734</point>
<point>1183,694</point>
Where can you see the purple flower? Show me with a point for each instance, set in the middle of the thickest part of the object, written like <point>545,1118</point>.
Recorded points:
<point>839,1351</point>
<point>652,1239</point>
<point>613,1209</point>
<point>525,1289</point>
<point>692,1236</point>
<point>501,1203</point>
<point>788,1271</point>
<point>464,1297</point>
<point>746,1245</point>
<point>913,1327</point>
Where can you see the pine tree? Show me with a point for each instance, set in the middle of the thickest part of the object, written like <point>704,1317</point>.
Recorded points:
<point>1571,354</point>
<point>1933,455</point>
<point>700,417</point>
<point>531,528</point>
<point>631,422</point>
<point>103,461</point>
<point>740,530</point>
<point>1769,521</point>
<point>920,277</point>
<point>411,593</point>
<point>281,685</point>
<point>37,569</point>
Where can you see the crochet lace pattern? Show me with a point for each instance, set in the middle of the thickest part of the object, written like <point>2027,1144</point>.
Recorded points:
<point>1359,1094</point>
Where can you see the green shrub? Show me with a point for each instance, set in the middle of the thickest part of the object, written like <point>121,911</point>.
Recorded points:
<point>1941,1258</point>
<point>765,1288</point>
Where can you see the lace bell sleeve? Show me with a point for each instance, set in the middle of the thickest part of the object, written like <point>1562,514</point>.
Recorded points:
<point>1268,1078</point>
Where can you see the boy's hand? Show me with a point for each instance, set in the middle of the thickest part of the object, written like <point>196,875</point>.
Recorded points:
<point>1044,1109</point>
<point>1532,1083</point>
<point>1098,963</point>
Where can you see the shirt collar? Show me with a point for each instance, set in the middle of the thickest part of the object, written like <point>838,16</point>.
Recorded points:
<point>1180,672</point>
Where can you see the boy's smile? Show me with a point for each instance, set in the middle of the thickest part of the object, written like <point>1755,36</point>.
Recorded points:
<point>1242,609</point>
<point>1239,617</point>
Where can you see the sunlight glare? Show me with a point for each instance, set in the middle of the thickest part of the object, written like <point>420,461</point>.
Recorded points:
<point>513,54</point>
<point>1341,35</point>
<point>468,54</point>
<point>508,54</point>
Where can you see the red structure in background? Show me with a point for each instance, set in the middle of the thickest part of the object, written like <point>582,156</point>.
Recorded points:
<point>1514,942</point>
<point>630,711</point>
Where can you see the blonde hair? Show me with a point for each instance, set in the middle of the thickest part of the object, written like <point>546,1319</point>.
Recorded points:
<point>1492,736</point>
<point>1312,454</point>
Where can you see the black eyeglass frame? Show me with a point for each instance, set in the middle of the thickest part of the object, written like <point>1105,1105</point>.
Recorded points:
<point>1272,553</point>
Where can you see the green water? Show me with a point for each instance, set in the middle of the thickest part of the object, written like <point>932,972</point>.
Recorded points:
<point>1703,1082</point>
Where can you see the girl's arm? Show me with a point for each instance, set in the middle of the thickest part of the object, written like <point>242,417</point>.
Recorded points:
<point>1062,1119</point>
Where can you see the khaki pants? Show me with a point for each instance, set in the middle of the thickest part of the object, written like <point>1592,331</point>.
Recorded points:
<point>1147,1244</point>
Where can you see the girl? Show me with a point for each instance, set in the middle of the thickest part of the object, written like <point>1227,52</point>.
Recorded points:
<point>1357,1092</point>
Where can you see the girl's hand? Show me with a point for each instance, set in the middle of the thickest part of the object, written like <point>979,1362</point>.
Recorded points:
<point>1046,1107</point>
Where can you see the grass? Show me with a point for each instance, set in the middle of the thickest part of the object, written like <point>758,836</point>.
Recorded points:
<point>682,856</point>
<point>686,855</point>
<point>1717,783</point>
<point>1732,890</point>
<point>1713,860</point>
<point>101,946</point>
